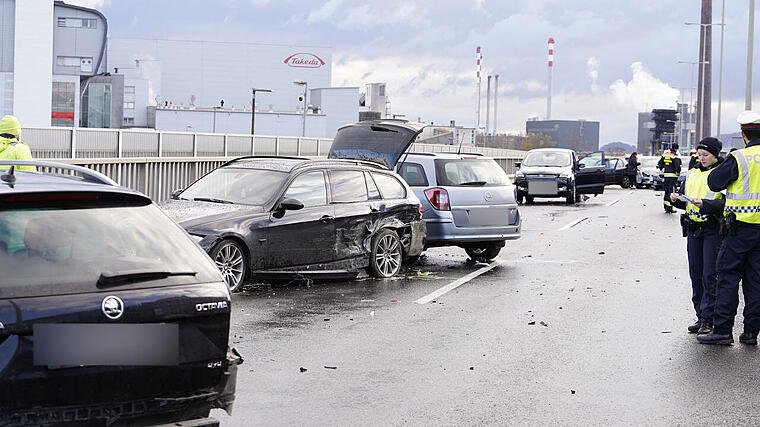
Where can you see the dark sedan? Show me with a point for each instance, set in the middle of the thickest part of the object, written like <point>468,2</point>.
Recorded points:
<point>282,217</point>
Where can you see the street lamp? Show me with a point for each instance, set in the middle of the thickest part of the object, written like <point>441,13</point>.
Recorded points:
<point>305,88</point>
<point>691,92</point>
<point>253,107</point>
<point>703,27</point>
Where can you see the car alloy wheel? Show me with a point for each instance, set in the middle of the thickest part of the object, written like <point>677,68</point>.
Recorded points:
<point>386,254</point>
<point>230,261</point>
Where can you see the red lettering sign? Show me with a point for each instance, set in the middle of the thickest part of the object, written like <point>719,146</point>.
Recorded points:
<point>304,60</point>
<point>57,115</point>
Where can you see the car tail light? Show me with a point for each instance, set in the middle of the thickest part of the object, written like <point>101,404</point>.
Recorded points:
<point>439,198</point>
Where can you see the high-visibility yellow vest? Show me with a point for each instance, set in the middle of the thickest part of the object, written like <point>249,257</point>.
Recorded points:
<point>743,195</point>
<point>696,188</point>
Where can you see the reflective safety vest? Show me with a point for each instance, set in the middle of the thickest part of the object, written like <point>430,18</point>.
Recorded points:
<point>696,188</point>
<point>743,195</point>
<point>667,161</point>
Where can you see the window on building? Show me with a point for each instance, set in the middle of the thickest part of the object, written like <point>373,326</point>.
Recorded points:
<point>129,90</point>
<point>96,106</point>
<point>62,111</point>
<point>129,120</point>
<point>129,105</point>
<point>78,23</point>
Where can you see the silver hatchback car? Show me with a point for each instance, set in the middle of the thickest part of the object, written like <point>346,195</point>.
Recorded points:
<point>468,201</point>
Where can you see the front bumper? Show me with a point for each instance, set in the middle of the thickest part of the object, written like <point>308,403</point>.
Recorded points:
<point>564,186</point>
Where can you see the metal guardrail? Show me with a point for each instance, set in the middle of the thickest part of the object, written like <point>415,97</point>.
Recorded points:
<point>156,162</point>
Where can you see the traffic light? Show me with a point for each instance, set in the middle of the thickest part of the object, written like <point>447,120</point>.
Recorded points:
<point>664,130</point>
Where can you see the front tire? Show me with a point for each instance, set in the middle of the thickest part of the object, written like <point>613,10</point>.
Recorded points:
<point>386,255</point>
<point>230,259</point>
<point>483,252</point>
<point>625,182</point>
<point>571,197</point>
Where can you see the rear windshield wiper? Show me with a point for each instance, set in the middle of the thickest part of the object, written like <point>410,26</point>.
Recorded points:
<point>214,200</point>
<point>117,278</point>
<point>474,183</point>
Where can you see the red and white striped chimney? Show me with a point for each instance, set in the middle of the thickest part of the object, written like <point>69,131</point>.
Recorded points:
<point>479,62</point>
<point>549,79</point>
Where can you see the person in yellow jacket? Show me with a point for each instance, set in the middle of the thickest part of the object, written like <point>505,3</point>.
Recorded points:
<point>704,210</point>
<point>10,146</point>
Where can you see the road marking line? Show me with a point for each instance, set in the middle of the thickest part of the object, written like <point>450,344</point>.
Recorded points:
<point>630,192</point>
<point>613,202</point>
<point>457,283</point>
<point>574,223</point>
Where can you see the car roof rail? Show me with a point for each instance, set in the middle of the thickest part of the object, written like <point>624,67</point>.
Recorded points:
<point>87,174</point>
<point>313,162</point>
<point>237,159</point>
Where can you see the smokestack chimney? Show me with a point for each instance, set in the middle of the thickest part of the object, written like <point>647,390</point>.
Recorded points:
<point>495,101</point>
<point>549,80</point>
<point>488,104</point>
<point>478,61</point>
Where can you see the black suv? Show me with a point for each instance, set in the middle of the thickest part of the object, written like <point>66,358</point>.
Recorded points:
<point>109,313</point>
<point>276,218</point>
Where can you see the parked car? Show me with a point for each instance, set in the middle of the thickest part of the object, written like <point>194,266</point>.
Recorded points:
<point>648,171</point>
<point>468,201</point>
<point>559,172</point>
<point>109,313</point>
<point>278,217</point>
<point>659,179</point>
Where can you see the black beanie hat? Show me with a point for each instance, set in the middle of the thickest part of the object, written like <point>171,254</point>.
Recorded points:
<point>711,145</point>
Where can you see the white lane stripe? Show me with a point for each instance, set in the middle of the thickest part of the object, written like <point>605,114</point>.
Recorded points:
<point>574,223</point>
<point>613,202</point>
<point>630,192</point>
<point>457,283</point>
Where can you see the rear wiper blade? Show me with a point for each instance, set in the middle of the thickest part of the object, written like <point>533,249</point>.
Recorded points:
<point>117,278</point>
<point>214,200</point>
<point>474,183</point>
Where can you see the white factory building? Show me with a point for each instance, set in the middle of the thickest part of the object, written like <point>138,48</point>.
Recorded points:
<point>59,67</point>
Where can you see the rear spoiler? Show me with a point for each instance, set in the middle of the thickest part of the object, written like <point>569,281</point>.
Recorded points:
<point>88,175</point>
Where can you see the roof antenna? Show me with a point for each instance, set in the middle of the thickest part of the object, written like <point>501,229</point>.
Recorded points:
<point>10,177</point>
<point>461,139</point>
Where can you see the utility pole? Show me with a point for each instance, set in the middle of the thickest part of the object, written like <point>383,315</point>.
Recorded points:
<point>488,107</point>
<point>705,81</point>
<point>253,107</point>
<point>720,74</point>
<point>750,42</point>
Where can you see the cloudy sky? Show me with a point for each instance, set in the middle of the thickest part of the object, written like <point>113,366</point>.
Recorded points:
<point>613,58</point>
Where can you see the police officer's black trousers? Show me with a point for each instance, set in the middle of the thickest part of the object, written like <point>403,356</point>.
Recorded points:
<point>669,187</point>
<point>738,259</point>
<point>702,246</point>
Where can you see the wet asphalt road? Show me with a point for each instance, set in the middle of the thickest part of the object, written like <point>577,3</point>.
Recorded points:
<point>610,299</point>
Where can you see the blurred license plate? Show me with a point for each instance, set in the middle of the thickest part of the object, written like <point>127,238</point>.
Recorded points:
<point>489,216</point>
<point>543,187</point>
<point>88,344</point>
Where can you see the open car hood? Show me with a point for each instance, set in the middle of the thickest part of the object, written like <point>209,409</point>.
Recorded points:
<point>379,141</point>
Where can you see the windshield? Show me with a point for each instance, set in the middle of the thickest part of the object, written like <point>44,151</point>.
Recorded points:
<point>237,185</point>
<point>547,158</point>
<point>476,172</point>
<point>67,250</point>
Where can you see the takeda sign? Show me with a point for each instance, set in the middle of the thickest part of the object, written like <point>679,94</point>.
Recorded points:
<point>304,60</point>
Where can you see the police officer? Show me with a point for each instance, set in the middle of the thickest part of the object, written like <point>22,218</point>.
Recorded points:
<point>670,164</point>
<point>694,160</point>
<point>10,146</point>
<point>700,225</point>
<point>739,255</point>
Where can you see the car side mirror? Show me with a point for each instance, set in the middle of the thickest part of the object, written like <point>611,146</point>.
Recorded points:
<point>518,164</point>
<point>176,193</point>
<point>581,165</point>
<point>290,204</point>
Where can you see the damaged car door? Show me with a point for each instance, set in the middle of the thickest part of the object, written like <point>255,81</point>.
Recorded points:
<point>305,236</point>
<point>354,213</point>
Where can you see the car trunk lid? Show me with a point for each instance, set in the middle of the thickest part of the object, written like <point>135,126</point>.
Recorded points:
<point>379,141</point>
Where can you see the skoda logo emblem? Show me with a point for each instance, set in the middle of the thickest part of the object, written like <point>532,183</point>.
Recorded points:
<point>112,306</point>
<point>488,196</point>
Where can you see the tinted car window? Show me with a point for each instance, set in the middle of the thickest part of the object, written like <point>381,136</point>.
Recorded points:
<point>413,174</point>
<point>547,158</point>
<point>66,250</point>
<point>309,189</point>
<point>591,161</point>
<point>469,172</point>
<point>372,191</point>
<point>389,186</point>
<point>348,186</point>
<point>238,185</point>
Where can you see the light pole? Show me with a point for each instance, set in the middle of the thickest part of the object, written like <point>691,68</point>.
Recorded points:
<point>750,43</point>
<point>720,73</point>
<point>691,94</point>
<point>253,107</point>
<point>305,88</point>
<point>703,107</point>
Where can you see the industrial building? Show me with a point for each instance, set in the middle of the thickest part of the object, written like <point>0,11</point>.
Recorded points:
<point>578,135</point>
<point>684,135</point>
<point>71,73</point>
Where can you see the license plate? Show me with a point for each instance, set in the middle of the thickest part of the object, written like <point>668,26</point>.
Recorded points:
<point>87,344</point>
<point>489,216</point>
<point>542,187</point>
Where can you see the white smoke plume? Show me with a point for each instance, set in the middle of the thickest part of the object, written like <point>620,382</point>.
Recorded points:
<point>592,66</point>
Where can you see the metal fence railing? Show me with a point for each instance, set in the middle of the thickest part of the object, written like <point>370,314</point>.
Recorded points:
<point>157,162</point>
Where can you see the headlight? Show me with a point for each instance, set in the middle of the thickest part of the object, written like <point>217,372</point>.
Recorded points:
<point>519,174</point>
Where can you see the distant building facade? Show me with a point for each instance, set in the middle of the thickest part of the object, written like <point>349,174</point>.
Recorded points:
<point>578,135</point>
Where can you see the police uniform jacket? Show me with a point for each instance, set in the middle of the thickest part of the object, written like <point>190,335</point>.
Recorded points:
<point>710,207</point>
<point>727,173</point>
